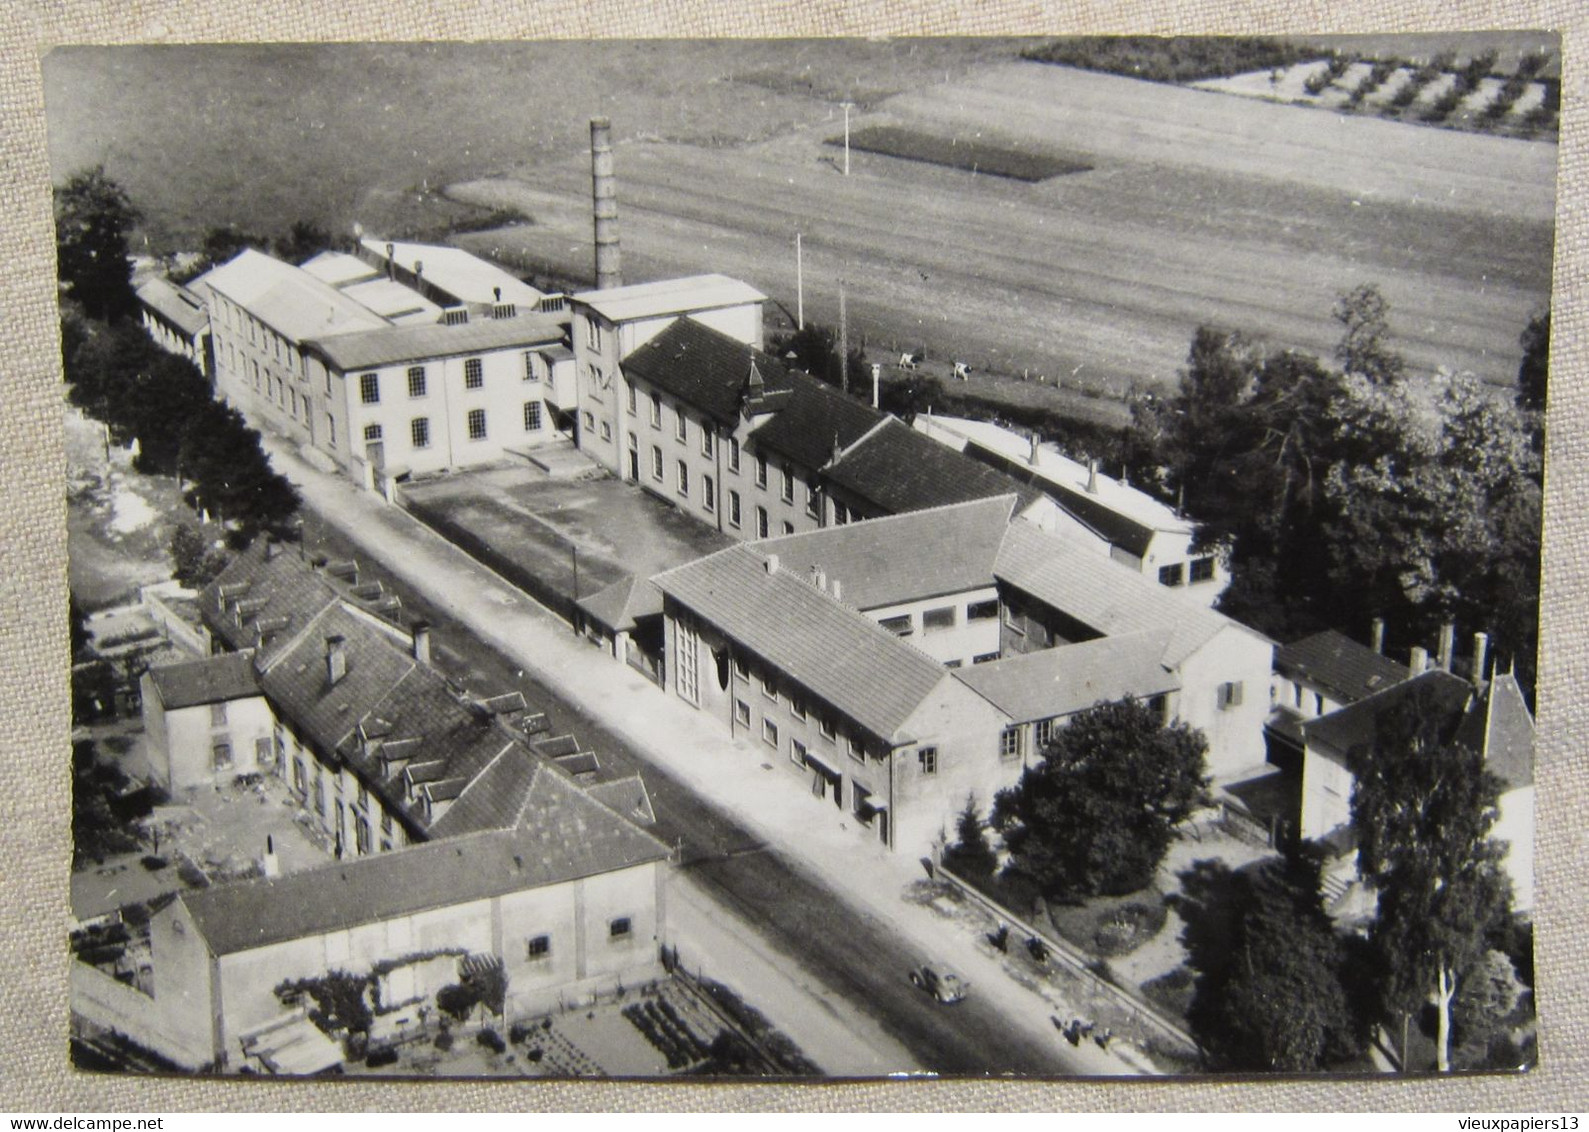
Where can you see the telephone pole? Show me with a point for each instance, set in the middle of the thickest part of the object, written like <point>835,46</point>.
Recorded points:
<point>800,287</point>
<point>844,340</point>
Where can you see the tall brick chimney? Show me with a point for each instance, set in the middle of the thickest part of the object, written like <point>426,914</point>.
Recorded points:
<point>609,272</point>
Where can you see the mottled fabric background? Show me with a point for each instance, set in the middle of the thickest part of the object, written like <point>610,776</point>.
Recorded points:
<point>34,701</point>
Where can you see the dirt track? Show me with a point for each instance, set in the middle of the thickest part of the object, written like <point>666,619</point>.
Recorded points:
<point>1201,208</point>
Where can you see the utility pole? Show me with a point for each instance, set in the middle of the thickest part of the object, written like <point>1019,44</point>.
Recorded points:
<point>800,287</point>
<point>573,554</point>
<point>847,139</point>
<point>844,341</point>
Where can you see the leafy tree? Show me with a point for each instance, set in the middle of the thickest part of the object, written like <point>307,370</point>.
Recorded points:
<point>1533,376</point>
<point>196,561</point>
<point>1363,313</point>
<point>1097,814</point>
<point>303,241</point>
<point>1270,995</point>
<point>232,476</point>
<point>1423,806</point>
<point>94,217</point>
<point>223,243</point>
<point>970,855</point>
<point>815,349</point>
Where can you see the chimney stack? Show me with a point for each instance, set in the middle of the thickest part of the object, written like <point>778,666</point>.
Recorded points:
<point>336,660</point>
<point>1420,660</point>
<point>270,865</point>
<point>1031,452</point>
<point>1448,639</point>
<point>604,196</point>
<point>391,260</point>
<point>1092,477</point>
<point>838,594</point>
<point>422,641</point>
<point>1481,657</point>
<point>1377,635</point>
<point>772,563</point>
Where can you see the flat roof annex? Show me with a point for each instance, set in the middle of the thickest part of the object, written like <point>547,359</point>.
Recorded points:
<point>175,304</point>
<point>1062,681</point>
<point>287,299</point>
<point>393,344</point>
<point>669,297</point>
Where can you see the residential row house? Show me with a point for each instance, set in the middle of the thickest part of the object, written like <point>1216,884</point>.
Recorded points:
<point>177,320</point>
<point>899,665</point>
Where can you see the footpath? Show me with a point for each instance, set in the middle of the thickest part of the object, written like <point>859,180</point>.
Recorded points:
<point>670,733</point>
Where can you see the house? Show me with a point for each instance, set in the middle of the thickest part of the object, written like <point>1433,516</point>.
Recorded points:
<point>205,721</point>
<point>1491,718</point>
<point>565,902</point>
<point>177,320</point>
<point>1109,515</point>
<point>371,739</point>
<point>904,662</point>
<point>1327,671</point>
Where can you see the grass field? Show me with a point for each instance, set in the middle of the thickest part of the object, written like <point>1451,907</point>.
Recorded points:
<point>1200,208</point>
<point>972,155</point>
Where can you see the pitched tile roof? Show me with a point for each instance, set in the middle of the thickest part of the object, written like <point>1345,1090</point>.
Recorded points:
<point>176,304</point>
<point>288,299</point>
<point>669,296</point>
<point>1503,728</point>
<point>1103,594</point>
<point>393,344</point>
<point>1345,669</point>
<point>262,591</point>
<point>618,606</point>
<point>1338,734</point>
<point>704,368</point>
<point>837,654</point>
<point>563,835</point>
<point>814,419</point>
<point>902,558</point>
<point>895,469</point>
<point>1071,678</point>
<point>210,680</point>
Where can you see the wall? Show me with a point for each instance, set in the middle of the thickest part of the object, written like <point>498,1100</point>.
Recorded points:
<point>1515,826</point>
<point>184,980</point>
<point>263,375</point>
<point>101,1000</point>
<point>1235,733</point>
<point>182,742</point>
<point>964,642</point>
<point>1326,794</point>
<point>965,729</point>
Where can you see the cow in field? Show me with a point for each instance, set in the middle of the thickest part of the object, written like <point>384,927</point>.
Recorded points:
<point>962,372</point>
<point>908,361</point>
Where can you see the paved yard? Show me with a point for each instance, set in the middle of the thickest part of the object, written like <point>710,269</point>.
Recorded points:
<point>529,527</point>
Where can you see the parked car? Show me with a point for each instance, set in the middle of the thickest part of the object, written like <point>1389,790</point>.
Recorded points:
<point>940,982</point>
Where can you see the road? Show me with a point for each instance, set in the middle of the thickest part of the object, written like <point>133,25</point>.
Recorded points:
<point>849,959</point>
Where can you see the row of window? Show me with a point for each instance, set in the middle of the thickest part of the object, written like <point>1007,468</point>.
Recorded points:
<point>419,427</point>
<point>620,929</point>
<point>474,377</point>
<point>942,618</point>
<point>1202,570</point>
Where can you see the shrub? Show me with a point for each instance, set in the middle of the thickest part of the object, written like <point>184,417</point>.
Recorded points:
<point>491,1040</point>
<point>457,1000</point>
<point>519,1033</point>
<point>153,863</point>
<point>385,1055</point>
<point>444,1041</point>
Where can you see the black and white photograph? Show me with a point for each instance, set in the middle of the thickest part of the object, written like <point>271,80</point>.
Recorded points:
<point>801,559</point>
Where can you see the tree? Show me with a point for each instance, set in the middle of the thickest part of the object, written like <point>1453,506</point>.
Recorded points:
<point>1363,313</point>
<point>1270,995</point>
<point>1422,807</point>
<point>815,349</point>
<point>303,241</point>
<point>196,562</point>
<point>225,242</point>
<point>93,219</point>
<point>970,856</point>
<point>1533,376</point>
<point>1097,814</point>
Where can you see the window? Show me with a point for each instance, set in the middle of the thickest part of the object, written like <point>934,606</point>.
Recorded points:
<point>733,508</point>
<point>619,929</point>
<point>370,388</point>
<point>632,403</point>
<point>477,424</point>
<point>769,732</point>
<point>681,426</point>
<point>687,650</point>
<point>593,335</point>
<point>656,463</point>
<point>331,430</point>
<point>982,610</point>
<point>1202,570</point>
<point>1010,743</point>
<point>708,493</point>
<point>539,947</point>
<point>761,522</point>
<point>900,626</point>
<point>797,707</point>
<point>419,432</point>
<point>606,431</point>
<point>386,822</point>
<point>361,836</point>
<point>590,421</point>
<point>937,620</point>
<point>319,793</point>
<point>797,752</point>
<point>829,729</point>
<point>787,491</point>
<point>416,381</point>
<point>532,416</point>
<point>1230,694</point>
<point>927,760</point>
<point>1172,575</point>
<point>474,373</point>
<point>1044,731</point>
<point>841,514</point>
<point>656,411</point>
<point>733,454</point>
<point>769,685</point>
<point>372,432</point>
<point>1318,704</point>
<point>684,479</point>
<point>857,749</point>
<point>742,713</point>
<point>708,442</point>
<point>298,782</point>
<point>813,501</point>
<point>761,471</point>
<point>217,715</point>
<point>363,801</point>
<point>221,755</point>
<point>788,527</point>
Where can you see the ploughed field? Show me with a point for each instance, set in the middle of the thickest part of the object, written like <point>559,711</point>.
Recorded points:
<point>1200,208</point>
